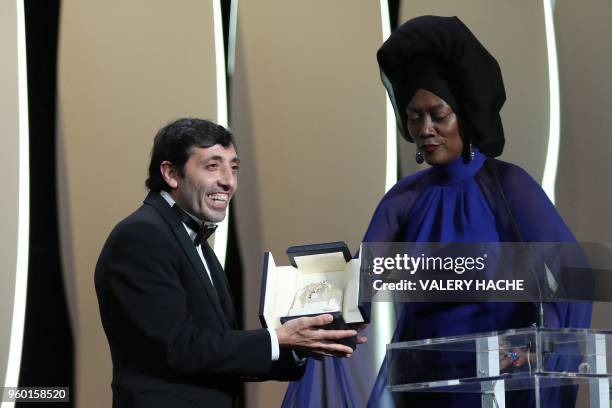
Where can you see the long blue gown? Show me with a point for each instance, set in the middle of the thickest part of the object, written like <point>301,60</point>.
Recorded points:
<point>457,202</point>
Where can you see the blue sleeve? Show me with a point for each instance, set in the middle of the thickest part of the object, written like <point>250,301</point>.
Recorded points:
<point>391,216</point>
<point>538,221</point>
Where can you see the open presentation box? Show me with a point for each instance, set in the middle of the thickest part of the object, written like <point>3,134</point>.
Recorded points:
<point>322,279</point>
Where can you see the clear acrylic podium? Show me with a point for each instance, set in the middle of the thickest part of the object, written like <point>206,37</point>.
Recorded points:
<point>492,363</point>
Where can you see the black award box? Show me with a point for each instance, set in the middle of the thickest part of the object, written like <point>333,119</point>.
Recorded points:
<point>322,279</point>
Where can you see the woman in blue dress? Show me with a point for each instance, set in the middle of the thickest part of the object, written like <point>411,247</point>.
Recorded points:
<point>447,92</point>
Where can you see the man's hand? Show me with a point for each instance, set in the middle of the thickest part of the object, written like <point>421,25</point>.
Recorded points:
<point>359,328</point>
<point>305,333</point>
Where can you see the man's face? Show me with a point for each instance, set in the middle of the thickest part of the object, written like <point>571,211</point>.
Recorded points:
<point>208,183</point>
<point>434,127</point>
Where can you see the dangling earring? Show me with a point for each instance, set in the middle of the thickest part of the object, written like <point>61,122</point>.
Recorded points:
<point>419,157</point>
<point>468,153</point>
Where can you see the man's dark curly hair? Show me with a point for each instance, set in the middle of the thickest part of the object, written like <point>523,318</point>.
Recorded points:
<point>174,141</point>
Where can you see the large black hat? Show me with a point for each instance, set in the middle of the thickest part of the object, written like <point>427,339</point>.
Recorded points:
<point>442,55</point>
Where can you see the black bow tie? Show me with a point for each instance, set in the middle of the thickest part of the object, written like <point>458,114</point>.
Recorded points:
<point>203,232</point>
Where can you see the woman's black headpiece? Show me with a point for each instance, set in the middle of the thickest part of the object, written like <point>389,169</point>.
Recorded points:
<point>442,55</point>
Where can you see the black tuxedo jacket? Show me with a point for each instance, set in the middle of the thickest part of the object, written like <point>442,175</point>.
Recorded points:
<point>172,334</point>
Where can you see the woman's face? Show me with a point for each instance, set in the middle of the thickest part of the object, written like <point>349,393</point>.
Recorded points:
<point>433,125</point>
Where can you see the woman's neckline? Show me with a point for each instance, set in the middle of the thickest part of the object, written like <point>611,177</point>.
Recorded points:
<point>459,169</point>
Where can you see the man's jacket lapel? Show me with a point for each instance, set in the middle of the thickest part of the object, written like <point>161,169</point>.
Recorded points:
<point>164,209</point>
<point>221,283</point>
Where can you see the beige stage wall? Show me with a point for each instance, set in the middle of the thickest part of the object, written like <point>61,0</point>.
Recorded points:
<point>14,213</point>
<point>584,189</point>
<point>125,70</point>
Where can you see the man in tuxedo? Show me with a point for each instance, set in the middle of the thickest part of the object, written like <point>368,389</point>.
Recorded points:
<point>164,300</point>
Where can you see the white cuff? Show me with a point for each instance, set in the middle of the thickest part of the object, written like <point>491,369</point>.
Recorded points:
<point>274,343</point>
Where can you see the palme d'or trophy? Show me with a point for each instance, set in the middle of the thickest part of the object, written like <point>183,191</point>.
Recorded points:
<point>316,297</point>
